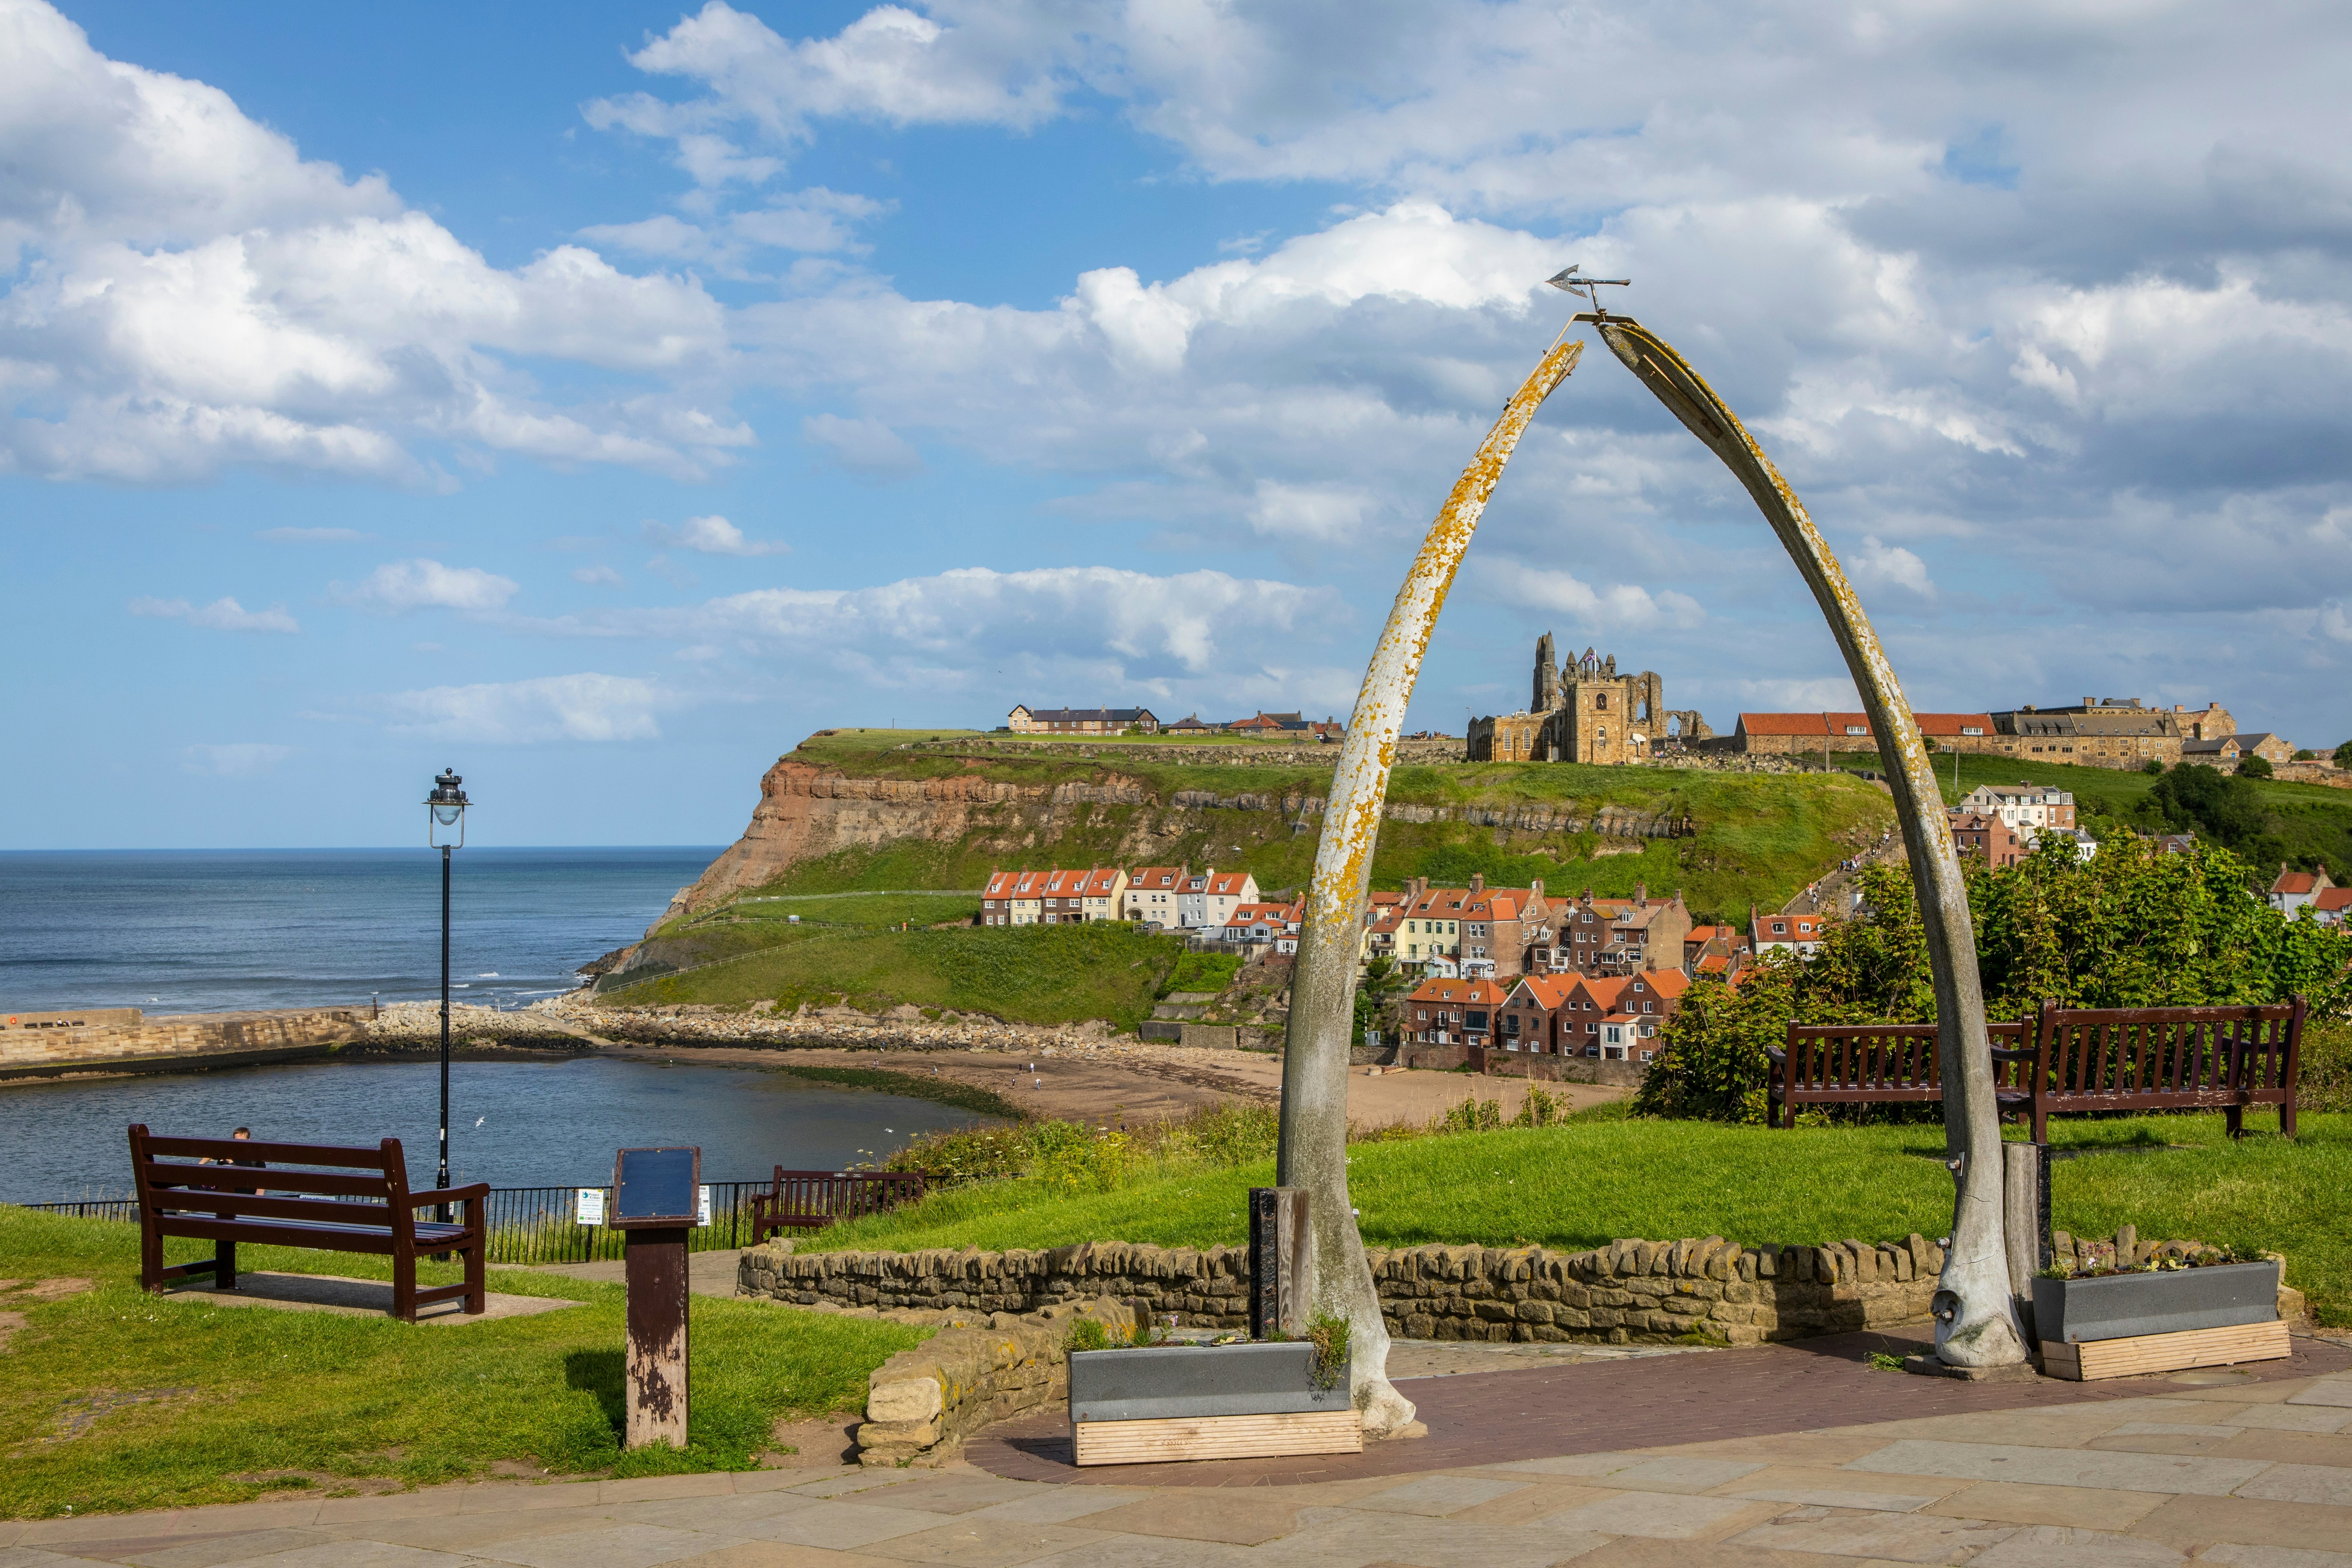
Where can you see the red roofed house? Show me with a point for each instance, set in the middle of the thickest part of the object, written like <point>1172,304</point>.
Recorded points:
<point>1209,897</point>
<point>1485,930</point>
<point>1614,936</point>
<point>1785,733</point>
<point>1452,1012</point>
<point>1798,934</point>
<point>1986,836</point>
<point>1607,1017</point>
<point>1152,894</point>
<point>1052,897</point>
<point>2295,888</point>
<point>2332,906</point>
<point>1256,923</point>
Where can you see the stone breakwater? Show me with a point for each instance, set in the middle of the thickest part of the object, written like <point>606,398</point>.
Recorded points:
<point>1629,1292</point>
<point>123,1039</point>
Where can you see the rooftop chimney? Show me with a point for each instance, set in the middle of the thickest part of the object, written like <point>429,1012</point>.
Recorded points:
<point>1477,882</point>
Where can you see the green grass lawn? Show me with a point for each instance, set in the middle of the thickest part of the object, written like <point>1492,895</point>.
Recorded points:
<point>874,911</point>
<point>1595,1179</point>
<point>243,1400</point>
<point>1035,974</point>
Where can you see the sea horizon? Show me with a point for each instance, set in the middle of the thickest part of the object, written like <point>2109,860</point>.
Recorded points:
<point>213,931</point>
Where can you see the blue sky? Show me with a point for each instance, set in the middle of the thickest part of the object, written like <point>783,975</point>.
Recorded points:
<point>600,397</point>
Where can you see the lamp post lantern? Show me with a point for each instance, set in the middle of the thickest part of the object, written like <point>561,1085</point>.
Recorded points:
<point>444,809</point>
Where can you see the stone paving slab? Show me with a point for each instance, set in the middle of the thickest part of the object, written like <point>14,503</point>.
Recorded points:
<point>2019,1487</point>
<point>1482,1419</point>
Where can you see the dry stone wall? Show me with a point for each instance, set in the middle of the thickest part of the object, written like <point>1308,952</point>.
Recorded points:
<point>1630,1292</point>
<point>921,1404</point>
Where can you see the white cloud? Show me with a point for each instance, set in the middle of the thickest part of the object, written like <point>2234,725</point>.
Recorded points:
<point>598,575</point>
<point>586,707</point>
<point>1619,607</point>
<point>1309,514</point>
<point>422,584</point>
<point>223,615</point>
<point>1878,565</point>
<point>713,536</point>
<point>183,292</point>
<point>813,222</point>
<point>863,446</point>
<point>311,535</point>
<point>1083,633</point>
<point>238,760</point>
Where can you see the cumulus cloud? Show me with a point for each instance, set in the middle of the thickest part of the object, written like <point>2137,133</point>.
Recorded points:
<point>222,615</point>
<point>237,760</point>
<point>188,293</point>
<point>595,576</point>
<point>713,536</point>
<point>1618,607</point>
<point>813,222</point>
<point>1878,565</point>
<point>422,585</point>
<point>585,707</point>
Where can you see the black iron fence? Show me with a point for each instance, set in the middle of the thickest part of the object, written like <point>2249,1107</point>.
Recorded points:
<point>540,1224</point>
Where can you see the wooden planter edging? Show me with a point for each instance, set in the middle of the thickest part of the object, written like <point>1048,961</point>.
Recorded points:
<point>2090,1362</point>
<point>1155,1403</point>
<point>2168,1320</point>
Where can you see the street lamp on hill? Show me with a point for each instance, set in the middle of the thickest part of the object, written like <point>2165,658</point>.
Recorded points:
<point>444,811</point>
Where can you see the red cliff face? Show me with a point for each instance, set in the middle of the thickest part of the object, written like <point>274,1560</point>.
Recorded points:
<point>807,812</point>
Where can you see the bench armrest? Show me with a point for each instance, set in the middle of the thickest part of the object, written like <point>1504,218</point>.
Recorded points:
<point>1777,1054</point>
<point>2027,1055</point>
<point>474,1193</point>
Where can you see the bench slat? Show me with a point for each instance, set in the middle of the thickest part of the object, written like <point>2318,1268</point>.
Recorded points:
<point>265,1205</point>
<point>186,1177</point>
<point>283,1154</point>
<point>323,1239</point>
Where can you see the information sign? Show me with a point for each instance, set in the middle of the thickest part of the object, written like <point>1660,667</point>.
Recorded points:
<point>702,1208</point>
<point>591,1208</point>
<point>655,1187</point>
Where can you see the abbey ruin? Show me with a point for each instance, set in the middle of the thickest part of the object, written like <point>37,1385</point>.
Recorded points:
<point>1584,712</point>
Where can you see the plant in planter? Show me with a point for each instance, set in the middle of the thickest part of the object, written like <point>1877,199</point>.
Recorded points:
<point>1252,1399</point>
<point>2204,1308</point>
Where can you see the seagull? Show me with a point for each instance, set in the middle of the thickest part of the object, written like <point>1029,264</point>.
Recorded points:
<point>479,1119</point>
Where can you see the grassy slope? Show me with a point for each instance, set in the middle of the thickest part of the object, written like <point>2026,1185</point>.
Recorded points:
<point>1041,974</point>
<point>338,1396</point>
<point>1762,837</point>
<point>1591,1181</point>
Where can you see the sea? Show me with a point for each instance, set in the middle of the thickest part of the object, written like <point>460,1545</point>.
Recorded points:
<point>225,931</point>
<point>216,931</point>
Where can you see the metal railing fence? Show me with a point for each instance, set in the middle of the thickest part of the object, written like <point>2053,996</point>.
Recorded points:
<point>537,1225</point>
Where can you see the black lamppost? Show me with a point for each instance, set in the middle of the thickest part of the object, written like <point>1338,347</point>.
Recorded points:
<point>445,808</point>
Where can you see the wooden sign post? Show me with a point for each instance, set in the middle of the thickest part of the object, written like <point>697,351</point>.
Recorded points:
<point>1281,1251</point>
<point>655,1194</point>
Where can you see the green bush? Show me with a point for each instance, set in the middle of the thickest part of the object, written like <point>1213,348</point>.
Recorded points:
<point>2254,767</point>
<point>2130,928</point>
<point>2325,1080</point>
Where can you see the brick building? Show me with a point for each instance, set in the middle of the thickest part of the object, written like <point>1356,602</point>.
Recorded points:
<point>2110,732</point>
<point>1606,1017</point>
<point>1026,721</point>
<point>1052,897</point>
<point>1800,934</point>
<point>1452,1012</point>
<point>2225,752</point>
<point>1614,936</point>
<point>1986,837</point>
<point>1803,734</point>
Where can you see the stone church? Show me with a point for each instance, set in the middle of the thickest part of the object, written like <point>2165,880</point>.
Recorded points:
<point>1584,712</point>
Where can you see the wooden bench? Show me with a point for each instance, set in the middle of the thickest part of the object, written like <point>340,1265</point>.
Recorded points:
<point>810,1200</point>
<point>2064,1059</point>
<point>1878,1064</point>
<point>358,1203</point>
<point>2168,1059</point>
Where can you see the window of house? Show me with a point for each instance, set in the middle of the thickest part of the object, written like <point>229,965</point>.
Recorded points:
<point>1600,701</point>
<point>1857,729</point>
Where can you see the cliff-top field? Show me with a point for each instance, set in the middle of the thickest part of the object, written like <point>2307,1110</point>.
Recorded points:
<point>920,809</point>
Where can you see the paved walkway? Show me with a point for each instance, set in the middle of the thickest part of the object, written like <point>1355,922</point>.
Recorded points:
<point>2205,1466</point>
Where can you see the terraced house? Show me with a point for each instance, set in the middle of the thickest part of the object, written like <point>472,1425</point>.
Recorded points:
<point>1152,893</point>
<point>1614,936</point>
<point>1605,1018</point>
<point>1052,897</point>
<point>1452,1012</point>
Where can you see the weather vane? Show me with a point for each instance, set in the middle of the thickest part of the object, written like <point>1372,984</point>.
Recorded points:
<point>1571,279</point>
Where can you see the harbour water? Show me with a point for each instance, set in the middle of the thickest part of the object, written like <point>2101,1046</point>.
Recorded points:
<point>219,931</point>
<point>511,1124</point>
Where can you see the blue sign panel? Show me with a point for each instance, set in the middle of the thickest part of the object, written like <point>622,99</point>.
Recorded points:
<point>656,1184</point>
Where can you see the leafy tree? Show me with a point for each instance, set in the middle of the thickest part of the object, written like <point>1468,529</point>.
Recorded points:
<point>2344,756</point>
<point>2193,795</point>
<point>2254,766</point>
<point>1378,995</point>
<point>2152,767</point>
<point>2130,928</point>
<point>2306,755</point>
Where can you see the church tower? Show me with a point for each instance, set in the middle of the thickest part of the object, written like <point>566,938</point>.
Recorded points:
<point>1547,690</point>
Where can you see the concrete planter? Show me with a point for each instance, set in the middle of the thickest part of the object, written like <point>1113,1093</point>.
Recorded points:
<point>1158,1383</point>
<point>2127,1306</point>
